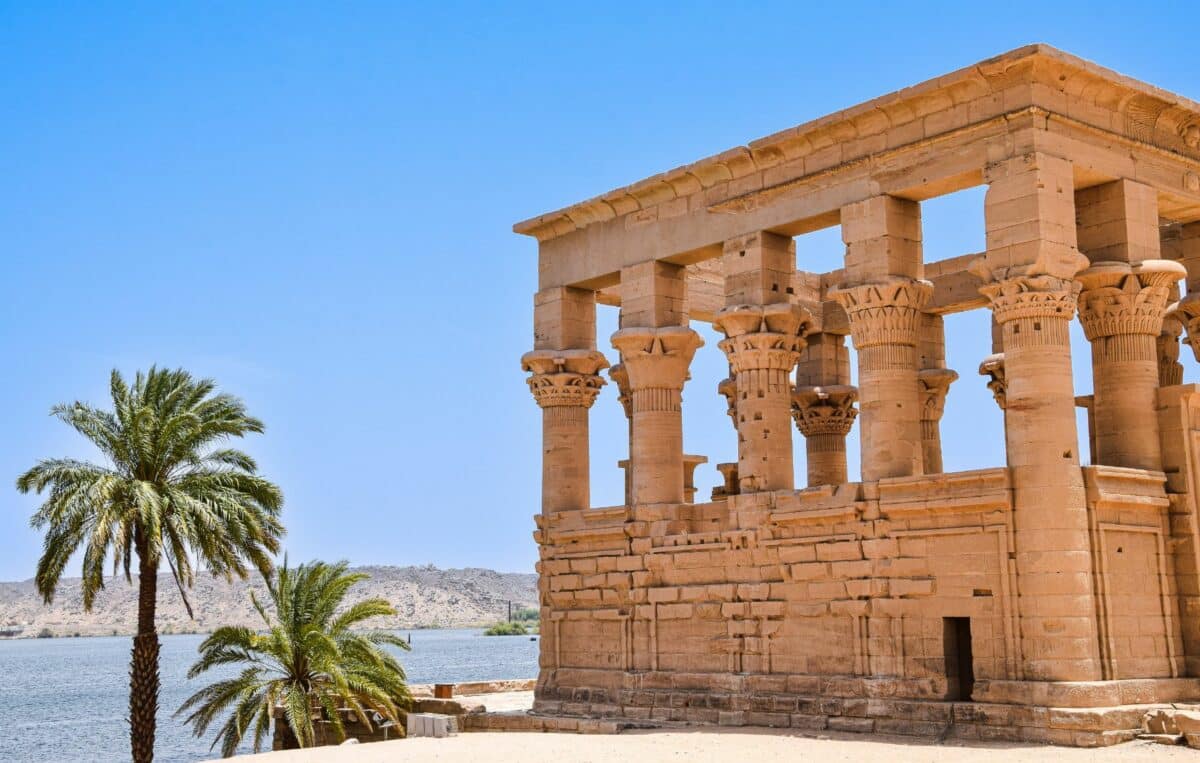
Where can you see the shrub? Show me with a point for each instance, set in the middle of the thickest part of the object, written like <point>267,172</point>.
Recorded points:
<point>526,614</point>
<point>506,629</point>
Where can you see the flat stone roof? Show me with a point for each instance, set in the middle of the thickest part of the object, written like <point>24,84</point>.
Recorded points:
<point>1158,117</point>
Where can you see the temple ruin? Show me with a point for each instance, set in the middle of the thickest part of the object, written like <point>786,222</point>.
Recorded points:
<point>1039,600</point>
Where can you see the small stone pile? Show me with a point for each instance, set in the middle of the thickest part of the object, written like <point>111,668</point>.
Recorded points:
<point>1173,726</point>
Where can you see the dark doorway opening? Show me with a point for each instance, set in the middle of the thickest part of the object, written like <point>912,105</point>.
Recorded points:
<point>960,671</point>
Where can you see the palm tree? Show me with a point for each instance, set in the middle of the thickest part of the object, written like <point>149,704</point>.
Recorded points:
<point>308,662</point>
<point>164,491</point>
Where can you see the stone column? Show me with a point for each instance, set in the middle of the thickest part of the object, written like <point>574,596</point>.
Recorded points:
<point>1170,370</point>
<point>564,380</point>
<point>727,388</point>
<point>884,304</point>
<point>764,336</point>
<point>1028,273</point>
<point>1121,308</point>
<point>823,407</point>
<point>934,380</point>
<point>935,383</point>
<point>824,415</point>
<point>1183,245</point>
<point>656,349</point>
<point>993,368</point>
<point>1124,297</point>
<point>619,376</point>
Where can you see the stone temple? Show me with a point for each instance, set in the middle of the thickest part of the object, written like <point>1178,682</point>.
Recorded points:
<point>1039,600</point>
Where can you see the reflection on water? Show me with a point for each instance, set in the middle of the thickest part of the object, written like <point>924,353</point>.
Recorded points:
<point>66,699</point>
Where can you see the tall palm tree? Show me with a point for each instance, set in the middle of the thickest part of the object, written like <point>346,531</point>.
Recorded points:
<point>308,661</point>
<point>165,490</point>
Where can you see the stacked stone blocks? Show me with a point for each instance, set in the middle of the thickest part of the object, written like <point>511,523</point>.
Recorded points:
<point>1040,600</point>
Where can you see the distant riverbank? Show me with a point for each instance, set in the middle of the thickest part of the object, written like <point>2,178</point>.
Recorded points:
<point>424,598</point>
<point>67,700</point>
<point>20,636</point>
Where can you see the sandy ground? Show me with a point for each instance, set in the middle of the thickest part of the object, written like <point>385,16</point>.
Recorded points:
<point>712,746</point>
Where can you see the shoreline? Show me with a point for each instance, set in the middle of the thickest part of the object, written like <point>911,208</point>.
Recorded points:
<point>81,635</point>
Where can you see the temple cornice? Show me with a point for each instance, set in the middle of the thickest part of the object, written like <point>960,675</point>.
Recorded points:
<point>1032,77</point>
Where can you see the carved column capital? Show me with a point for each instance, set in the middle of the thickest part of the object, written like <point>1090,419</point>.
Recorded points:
<point>886,312</point>
<point>620,377</point>
<point>763,336</point>
<point>1123,298</point>
<point>993,368</point>
<point>561,378</point>
<point>935,383</point>
<point>728,389</point>
<point>1170,371</point>
<point>1026,296</point>
<point>656,360</point>
<point>827,410</point>
<point>1187,312</point>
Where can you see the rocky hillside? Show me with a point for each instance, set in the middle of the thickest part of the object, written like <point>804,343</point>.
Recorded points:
<point>423,597</point>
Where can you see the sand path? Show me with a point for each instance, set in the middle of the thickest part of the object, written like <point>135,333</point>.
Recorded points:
<point>712,746</point>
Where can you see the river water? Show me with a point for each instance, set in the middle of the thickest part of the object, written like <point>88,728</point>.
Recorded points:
<point>66,699</point>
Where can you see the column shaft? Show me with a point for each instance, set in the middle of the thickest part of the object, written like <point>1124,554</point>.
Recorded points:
<point>883,324</point>
<point>657,450</point>
<point>565,458</point>
<point>565,384</point>
<point>763,344</point>
<point>1124,298</point>
<point>826,459</point>
<point>824,415</point>
<point>656,360</point>
<point>764,334</point>
<point>1027,272</point>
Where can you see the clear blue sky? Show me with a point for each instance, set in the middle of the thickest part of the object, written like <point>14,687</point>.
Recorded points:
<point>312,203</point>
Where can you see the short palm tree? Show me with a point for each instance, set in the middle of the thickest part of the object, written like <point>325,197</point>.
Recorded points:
<point>165,490</point>
<point>308,662</point>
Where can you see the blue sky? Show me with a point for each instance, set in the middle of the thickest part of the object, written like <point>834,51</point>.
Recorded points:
<point>313,203</point>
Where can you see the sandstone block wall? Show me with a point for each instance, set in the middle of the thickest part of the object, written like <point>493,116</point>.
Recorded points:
<point>1042,599</point>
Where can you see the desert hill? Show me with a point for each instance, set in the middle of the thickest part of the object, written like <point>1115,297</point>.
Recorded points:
<point>423,597</point>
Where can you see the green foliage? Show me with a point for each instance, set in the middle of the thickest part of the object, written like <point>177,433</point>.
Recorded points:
<point>308,662</point>
<point>164,489</point>
<point>45,633</point>
<point>507,629</point>
<point>526,614</point>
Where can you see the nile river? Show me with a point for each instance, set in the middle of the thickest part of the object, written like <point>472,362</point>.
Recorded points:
<point>66,699</point>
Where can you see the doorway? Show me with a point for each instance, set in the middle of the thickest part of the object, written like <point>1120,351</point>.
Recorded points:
<point>960,669</point>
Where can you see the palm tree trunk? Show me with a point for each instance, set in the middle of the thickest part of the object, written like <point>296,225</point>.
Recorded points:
<point>143,669</point>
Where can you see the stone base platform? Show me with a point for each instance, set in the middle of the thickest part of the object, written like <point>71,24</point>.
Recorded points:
<point>1076,714</point>
<point>546,723</point>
